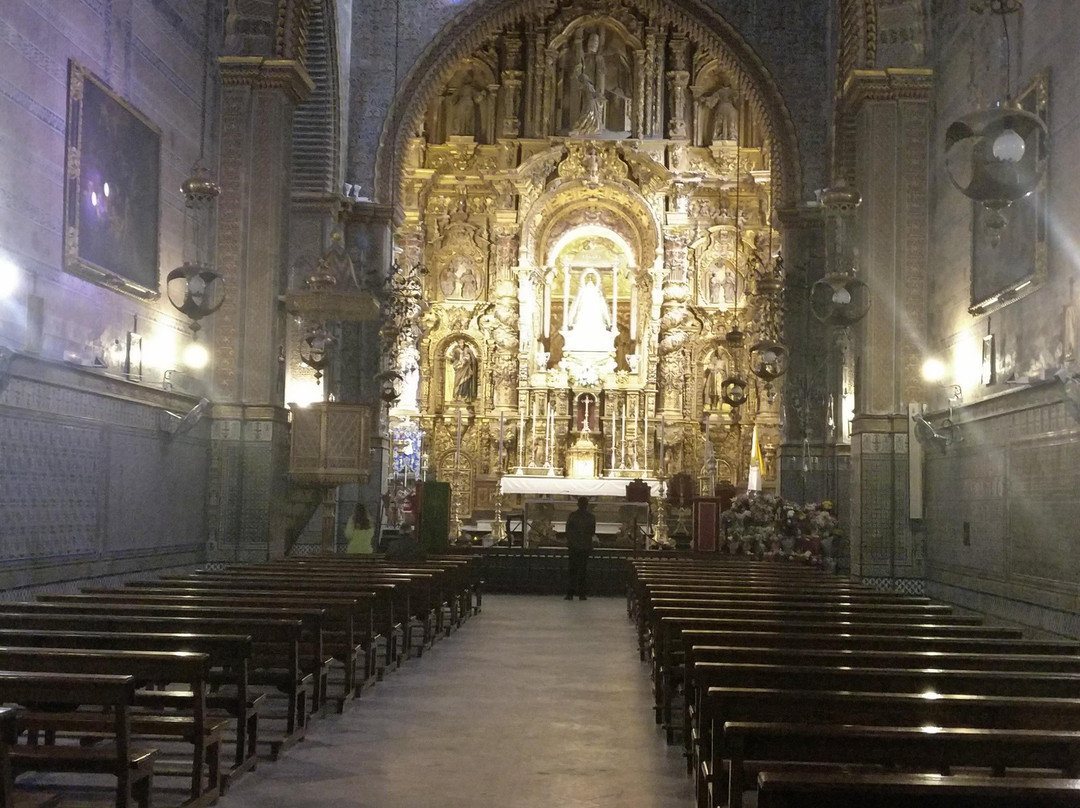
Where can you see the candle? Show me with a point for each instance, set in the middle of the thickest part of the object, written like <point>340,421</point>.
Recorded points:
<point>532,443</point>
<point>623,451</point>
<point>633,307</point>
<point>547,311</point>
<point>565,296</point>
<point>457,449</point>
<point>614,298</point>
<point>613,434</point>
<point>502,418</point>
<point>521,439</point>
<point>646,436</point>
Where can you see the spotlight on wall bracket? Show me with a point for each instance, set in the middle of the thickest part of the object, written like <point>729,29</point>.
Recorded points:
<point>174,424</point>
<point>930,436</point>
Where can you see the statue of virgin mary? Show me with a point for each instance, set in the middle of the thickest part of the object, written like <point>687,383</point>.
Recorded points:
<point>589,324</point>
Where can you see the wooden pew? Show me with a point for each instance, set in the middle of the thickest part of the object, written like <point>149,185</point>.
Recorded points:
<point>454,577</point>
<point>225,652</point>
<point>871,652</point>
<point>275,660</point>
<point>133,767</point>
<point>808,706</point>
<point>162,668</point>
<point>340,638</point>
<point>813,789</point>
<point>421,589</point>
<point>933,749</point>
<point>390,606</point>
<point>667,665</point>
<point>313,662</point>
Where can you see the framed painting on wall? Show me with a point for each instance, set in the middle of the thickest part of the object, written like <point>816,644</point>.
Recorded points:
<point>112,179</point>
<point>1016,266</point>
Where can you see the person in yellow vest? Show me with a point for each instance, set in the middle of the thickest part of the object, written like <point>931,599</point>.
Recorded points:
<point>359,531</point>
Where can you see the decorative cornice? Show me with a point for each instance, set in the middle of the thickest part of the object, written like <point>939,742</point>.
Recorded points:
<point>890,84</point>
<point>277,74</point>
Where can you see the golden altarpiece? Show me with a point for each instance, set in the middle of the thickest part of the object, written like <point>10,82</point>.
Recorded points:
<point>585,209</point>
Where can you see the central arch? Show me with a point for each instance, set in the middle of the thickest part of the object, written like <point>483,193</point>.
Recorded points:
<point>693,19</point>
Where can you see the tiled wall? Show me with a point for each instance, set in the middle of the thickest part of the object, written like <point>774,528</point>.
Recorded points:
<point>89,485</point>
<point>1001,507</point>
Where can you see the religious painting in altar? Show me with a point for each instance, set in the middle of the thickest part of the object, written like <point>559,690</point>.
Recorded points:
<point>583,195</point>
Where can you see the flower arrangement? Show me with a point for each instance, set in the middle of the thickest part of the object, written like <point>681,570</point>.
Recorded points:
<point>767,526</point>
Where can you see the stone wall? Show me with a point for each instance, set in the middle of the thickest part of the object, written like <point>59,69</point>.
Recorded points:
<point>791,42</point>
<point>1001,506</point>
<point>88,483</point>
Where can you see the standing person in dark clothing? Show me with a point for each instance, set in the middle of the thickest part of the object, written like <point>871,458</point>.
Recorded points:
<point>580,528</point>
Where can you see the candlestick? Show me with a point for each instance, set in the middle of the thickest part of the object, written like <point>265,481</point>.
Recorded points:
<point>663,426</point>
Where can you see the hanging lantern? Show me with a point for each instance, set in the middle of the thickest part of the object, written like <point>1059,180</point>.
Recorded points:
<point>196,289</point>
<point>390,383</point>
<point>734,391</point>
<point>997,156</point>
<point>315,349</point>
<point>839,299</point>
<point>768,359</point>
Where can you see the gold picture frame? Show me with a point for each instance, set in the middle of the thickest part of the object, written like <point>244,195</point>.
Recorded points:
<point>112,181</point>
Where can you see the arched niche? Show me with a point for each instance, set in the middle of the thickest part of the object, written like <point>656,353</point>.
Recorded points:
<point>466,105</point>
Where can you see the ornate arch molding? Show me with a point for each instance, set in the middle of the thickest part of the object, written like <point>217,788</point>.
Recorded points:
<point>857,48</point>
<point>485,18</point>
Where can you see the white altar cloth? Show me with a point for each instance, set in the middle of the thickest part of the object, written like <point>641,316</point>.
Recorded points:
<point>574,486</point>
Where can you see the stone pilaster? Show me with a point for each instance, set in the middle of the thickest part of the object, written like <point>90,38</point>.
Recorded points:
<point>249,451</point>
<point>891,136</point>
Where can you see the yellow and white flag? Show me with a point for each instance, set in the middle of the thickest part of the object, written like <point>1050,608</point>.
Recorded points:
<point>756,463</point>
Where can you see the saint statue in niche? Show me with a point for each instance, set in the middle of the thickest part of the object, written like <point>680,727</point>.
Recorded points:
<point>725,116</point>
<point>462,361</point>
<point>597,82</point>
<point>463,105</point>
<point>714,288</point>
<point>715,374</point>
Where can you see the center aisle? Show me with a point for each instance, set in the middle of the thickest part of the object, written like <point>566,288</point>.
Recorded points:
<point>537,702</point>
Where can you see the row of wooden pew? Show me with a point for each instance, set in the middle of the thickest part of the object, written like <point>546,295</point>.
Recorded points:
<point>831,692</point>
<point>154,678</point>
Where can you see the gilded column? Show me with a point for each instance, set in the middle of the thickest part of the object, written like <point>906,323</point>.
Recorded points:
<point>678,80</point>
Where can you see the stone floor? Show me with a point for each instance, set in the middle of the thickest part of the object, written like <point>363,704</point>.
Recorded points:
<point>537,702</point>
